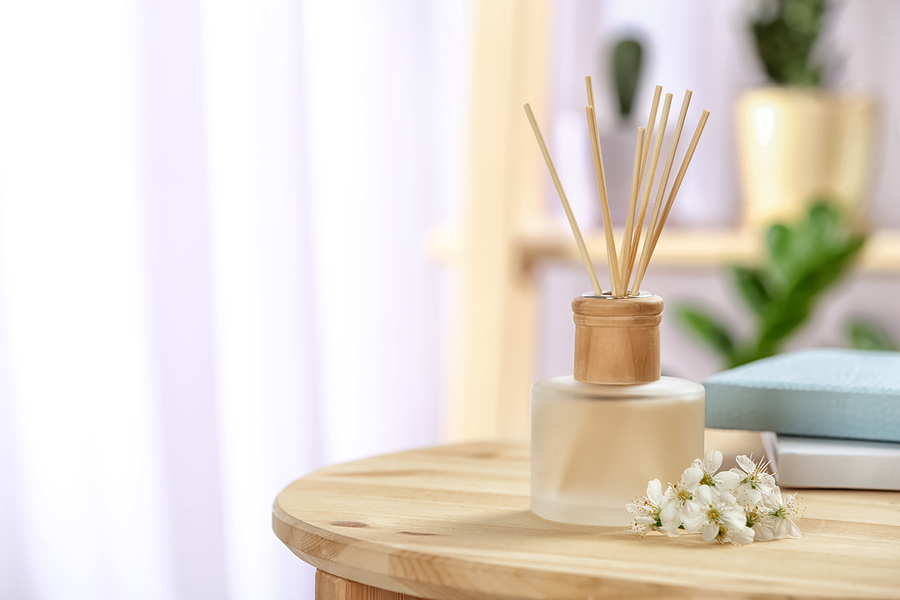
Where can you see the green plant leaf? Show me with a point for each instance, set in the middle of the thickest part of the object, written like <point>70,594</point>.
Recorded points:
<point>823,215</point>
<point>804,260</point>
<point>780,325</point>
<point>707,329</point>
<point>748,354</point>
<point>866,335</point>
<point>778,241</point>
<point>825,269</point>
<point>750,284</point>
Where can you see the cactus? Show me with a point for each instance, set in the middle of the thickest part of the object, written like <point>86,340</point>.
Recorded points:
<point>626,65</point>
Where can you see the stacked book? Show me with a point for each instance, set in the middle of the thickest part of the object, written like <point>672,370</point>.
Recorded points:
<point>836,414</point>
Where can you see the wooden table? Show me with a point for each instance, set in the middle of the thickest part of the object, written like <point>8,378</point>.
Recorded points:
<point>452,522</point>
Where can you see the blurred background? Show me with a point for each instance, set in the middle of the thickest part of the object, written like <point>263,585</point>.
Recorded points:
<point>240,240</point>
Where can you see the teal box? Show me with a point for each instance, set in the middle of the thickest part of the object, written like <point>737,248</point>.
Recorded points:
<point>849,394</point>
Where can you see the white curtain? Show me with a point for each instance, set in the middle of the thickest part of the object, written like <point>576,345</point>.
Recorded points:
<point>212,276</point>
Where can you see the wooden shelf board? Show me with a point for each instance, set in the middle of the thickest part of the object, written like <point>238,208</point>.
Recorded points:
<point>677,247</point>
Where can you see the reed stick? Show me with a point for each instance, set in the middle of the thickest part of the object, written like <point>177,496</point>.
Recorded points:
<point>663,182</point>
<point>648,135</point>
<point>650,123</point>
<point>648,187</point>
<point>590,91</point>
<point>600,173</point>
<point>611,258</point>
<point>632,201</point>
<point>582,248</point>
<point>677,185</point>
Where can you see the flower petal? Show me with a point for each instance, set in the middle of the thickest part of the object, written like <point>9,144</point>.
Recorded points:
<point>654,492</point>
<point>745,463</point>
<point>710,531</point>
<point>782,528</point>
<point>747,496</point>
<point>691,477</point>
<point>670,529</point>
<point>792,531</point>
<point>741,536</point>
<point>712,461</point>
<point>735,519</point>
<point>692,523</point>
<point>706,495</point>
<point>764,532</point>
<point>727,480</point>
<point>669,513</point>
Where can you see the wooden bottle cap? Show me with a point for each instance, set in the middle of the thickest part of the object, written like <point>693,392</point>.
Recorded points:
<point>617,339</point>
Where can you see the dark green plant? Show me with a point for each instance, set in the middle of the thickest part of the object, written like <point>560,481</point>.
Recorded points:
<point>785,36</point>
<point>626,67</point>
<point>801,263</point>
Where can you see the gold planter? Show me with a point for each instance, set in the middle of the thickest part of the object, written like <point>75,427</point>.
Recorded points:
<point>795,145</point>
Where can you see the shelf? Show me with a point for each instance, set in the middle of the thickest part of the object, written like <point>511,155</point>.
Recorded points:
<point>547,241</point>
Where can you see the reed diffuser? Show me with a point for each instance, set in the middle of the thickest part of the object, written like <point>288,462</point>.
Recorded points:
<point>599,435</point>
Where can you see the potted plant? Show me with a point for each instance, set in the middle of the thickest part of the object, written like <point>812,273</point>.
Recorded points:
<point>797,140</point>
<point>803,261</point>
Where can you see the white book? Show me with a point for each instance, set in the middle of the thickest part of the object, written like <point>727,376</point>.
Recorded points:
<point>843,464</point>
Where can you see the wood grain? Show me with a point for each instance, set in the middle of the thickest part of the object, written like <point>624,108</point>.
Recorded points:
<point>331,587</point>
<point>452,522</point>
<point>617,339</point>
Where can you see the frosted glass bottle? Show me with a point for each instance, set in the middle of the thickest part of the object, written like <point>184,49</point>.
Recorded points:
<point>599,436</point>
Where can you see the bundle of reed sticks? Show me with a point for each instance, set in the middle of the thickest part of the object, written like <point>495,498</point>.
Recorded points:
<point>625,260</point>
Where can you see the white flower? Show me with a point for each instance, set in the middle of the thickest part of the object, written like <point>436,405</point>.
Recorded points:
<point>647,509</point>
<point>710,463</point>
<point>717,516</point>
<point>755,474</point>
<point>683,489</point>
<point>709,466</point>
<point>753,480</point>
<point>738,506</point>
<point>781,511</point>
<point>740,536</point>
<point>677,494</point>
<point>761,522</point>
<point>670,517</point>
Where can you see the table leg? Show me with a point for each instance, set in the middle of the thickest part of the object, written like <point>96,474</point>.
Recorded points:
<point>331,587</point>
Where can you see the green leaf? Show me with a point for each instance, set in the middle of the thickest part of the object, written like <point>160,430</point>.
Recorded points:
<point>781,325</point>
<point>828,267</point>
<point>707,329</point>
<point>823,216</point>
<point>748,355</point>
<point>778,241</point>
<point>804,260</point>
<point>751,287</point>
<point>853,246</point>
<point>866,335</point>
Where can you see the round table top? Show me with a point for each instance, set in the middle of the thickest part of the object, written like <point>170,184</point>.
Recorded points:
<point>453,522</point>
